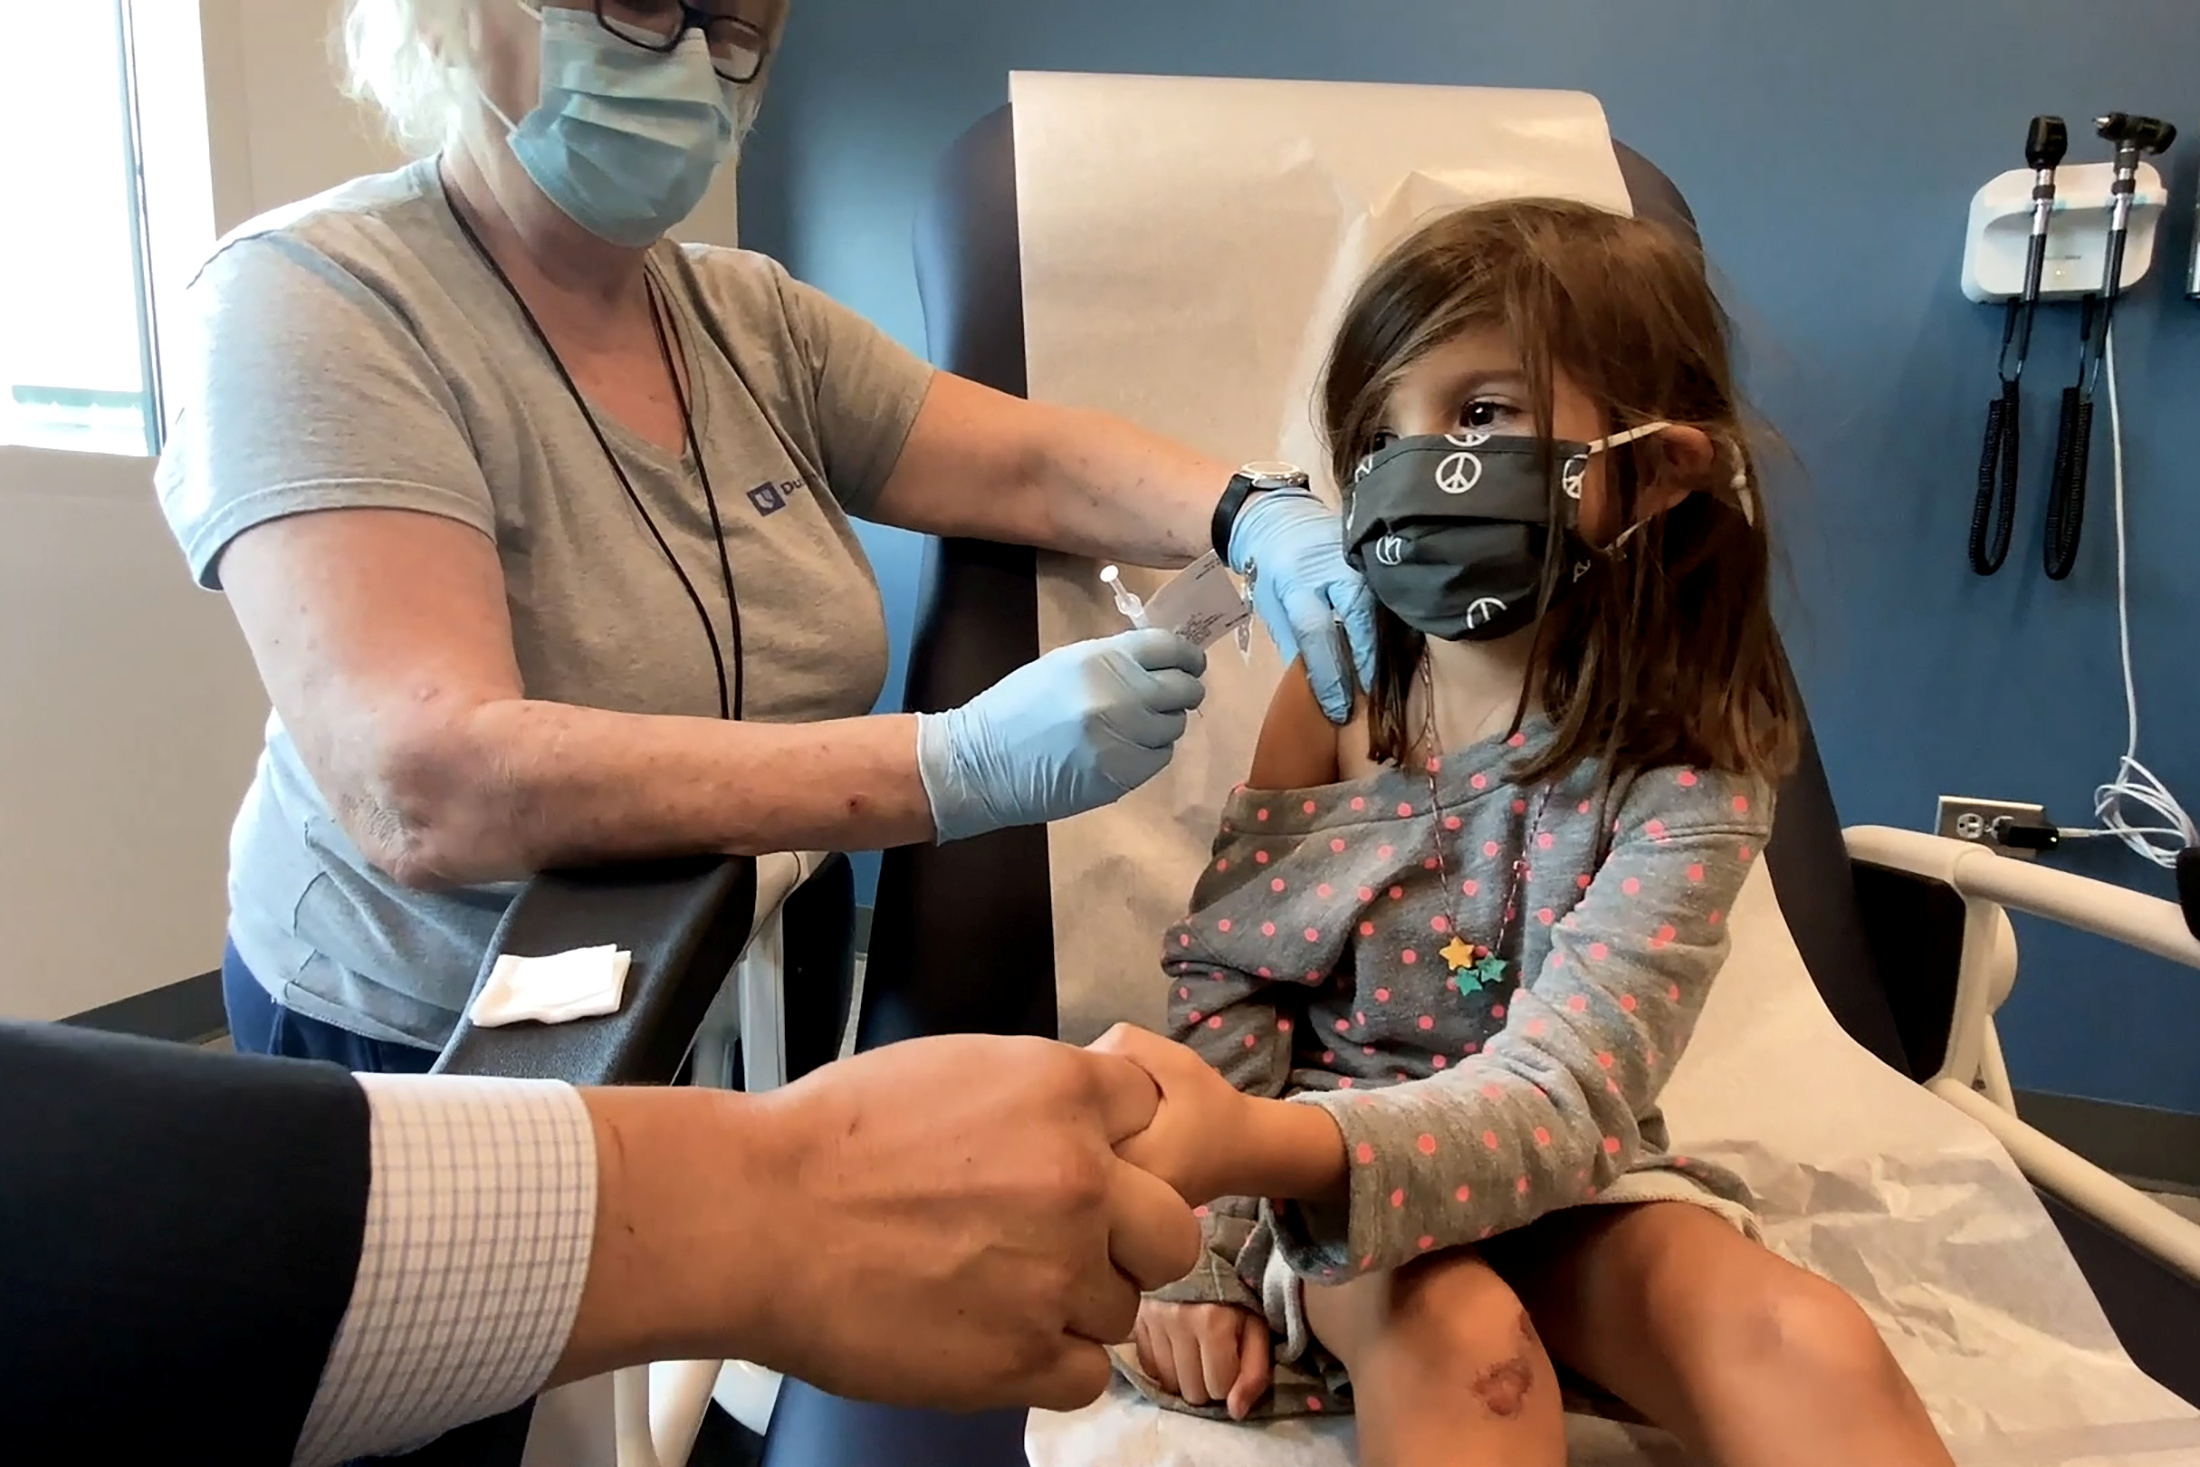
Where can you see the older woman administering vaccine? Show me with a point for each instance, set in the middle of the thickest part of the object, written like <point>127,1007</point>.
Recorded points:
<point>538,524</point>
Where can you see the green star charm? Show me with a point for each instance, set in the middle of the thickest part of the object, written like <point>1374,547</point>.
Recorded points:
<point>1489,973</point>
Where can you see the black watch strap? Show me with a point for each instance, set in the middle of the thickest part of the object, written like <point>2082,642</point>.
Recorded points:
<point>1227,510</point>
<point>1259,478</point>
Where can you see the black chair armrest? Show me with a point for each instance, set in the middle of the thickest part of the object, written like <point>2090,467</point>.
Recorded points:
<point>684,921</point>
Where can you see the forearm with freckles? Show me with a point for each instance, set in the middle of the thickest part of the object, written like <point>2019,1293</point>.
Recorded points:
<point>514,787</point>
<point>984,465</point>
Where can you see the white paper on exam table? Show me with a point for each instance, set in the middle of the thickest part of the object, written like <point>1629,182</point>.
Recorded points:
<point>1907,1204</point>
<point>1195,290</point>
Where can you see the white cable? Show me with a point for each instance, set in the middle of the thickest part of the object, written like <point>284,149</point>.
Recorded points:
<point>2134,782</point>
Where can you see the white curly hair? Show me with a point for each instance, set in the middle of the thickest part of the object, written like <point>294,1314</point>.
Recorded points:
<point>413,60</point>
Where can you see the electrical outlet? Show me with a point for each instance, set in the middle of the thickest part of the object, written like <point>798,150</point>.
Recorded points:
<point>1979,821</point>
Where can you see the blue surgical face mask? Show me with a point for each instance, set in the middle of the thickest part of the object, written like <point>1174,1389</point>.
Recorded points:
<point>625,141</point>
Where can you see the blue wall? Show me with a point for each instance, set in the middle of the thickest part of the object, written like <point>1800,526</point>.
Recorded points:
<point>1830,151</point>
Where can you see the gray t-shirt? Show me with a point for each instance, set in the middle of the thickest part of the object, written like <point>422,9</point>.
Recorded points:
<point>354,351</point>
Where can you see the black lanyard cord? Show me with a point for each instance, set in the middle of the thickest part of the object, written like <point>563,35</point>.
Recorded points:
<point>730,702</point>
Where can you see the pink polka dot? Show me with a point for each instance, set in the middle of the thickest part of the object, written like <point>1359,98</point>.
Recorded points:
<point>1497,1011</point>
<point>1741,804</point>
<point>1367,1049</point>
<point>1266,974</point>
<point>1545,841</point>
<point>1183,993</point>
<point>1655,829</point>
<point>1542,1136</point>
<point>1631,886</point>
<point>1716,918</point>
<point>1276,884</point>
<point>1520,807</point>
<point>1611,1084</point>
<point>1748,855</point>
<point>1462,1194</point>
<point>1404,809</point>
<point>1263,815</point>
<point>1427,1242</point>
<point>1251,1042</point>
<point>1627,1002</point>
<point>1261,857</point>
<point>1336,846</point>
<point>1382,995</point>
<point>1308,807</point>
<point>1329,1056</point>
<point>1517,741</point>
<point>1313,1403</point>
<point>1223,864</point>
<point>1199,1211</point>
<point>1345,1083</point>
<point>1599,951</point>
<point>1452,822</point>
<point>1582,881</point>
<point>1267,929</point>
<point>1438,1061</point>
<point>1367,929</point>
<point>1546,916</point>
<point>1364,1154</point>
<point>1604,1059</point>
<point>1688,779</point>
<point>1426,1144</point>
<point>1194,1017</point>
<point>1367,893</point>
<point>1472,1046</point>
<point>1396,892</point>
<point>1360,1019</point>
<point>1325,890</point>
<point>1611,1146</point>
<point>1431,864</point>
<point>1382,853</point>
<point>1344,1026</point>
<point>1469,888</point>
<point>1223,925</point>
<point>1521,1186</point>
<point>1582,808</point>
<point>1578,1004</point>
<point>1426,1022</point>
<point>1283,1026</point>
<point>1489,848</point>
<point>1184,939</point>
<point>1535,1027</point>
<point>1313,934</point>
<point>1358,803</point>
<point>1440,924</point>
<point>1489,1139</point>
<point>1558,960</point>
<point>1398,1197</point>
<point>1409,957</point>
<point>1695,873</point>
<point>1665,935</point>
<point>1673,993</point>
<point>1480,782</point>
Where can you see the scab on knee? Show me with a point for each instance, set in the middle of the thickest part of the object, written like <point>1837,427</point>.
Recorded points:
<point>1503,1388</point>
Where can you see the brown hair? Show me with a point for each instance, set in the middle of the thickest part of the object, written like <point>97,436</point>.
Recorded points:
<point>1665,653</point>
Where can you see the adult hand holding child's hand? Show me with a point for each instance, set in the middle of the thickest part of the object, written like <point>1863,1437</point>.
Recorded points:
<point>1197,1140</point>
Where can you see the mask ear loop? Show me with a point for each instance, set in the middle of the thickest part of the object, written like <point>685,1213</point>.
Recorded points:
<point>1745,496</point>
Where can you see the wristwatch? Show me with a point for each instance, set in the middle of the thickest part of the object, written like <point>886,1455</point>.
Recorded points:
<point>1254,478</point>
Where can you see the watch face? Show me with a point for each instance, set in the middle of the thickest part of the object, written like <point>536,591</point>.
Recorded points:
<point>1274,473</point>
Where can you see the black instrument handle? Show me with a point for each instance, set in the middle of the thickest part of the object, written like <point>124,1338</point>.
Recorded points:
<point>1993,518</point>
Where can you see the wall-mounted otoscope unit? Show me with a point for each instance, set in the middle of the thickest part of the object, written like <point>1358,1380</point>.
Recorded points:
<point>2053,233</point>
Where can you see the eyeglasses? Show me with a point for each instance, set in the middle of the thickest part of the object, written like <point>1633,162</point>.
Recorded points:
<point>734,30</point>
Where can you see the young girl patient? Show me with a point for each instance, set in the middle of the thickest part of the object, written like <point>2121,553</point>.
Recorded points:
<point>1466,937</point>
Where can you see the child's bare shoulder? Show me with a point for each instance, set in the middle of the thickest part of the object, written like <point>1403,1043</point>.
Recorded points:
<point>1298,744</point>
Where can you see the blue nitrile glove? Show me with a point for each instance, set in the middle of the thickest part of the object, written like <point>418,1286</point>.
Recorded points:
<point>1080,728</point>
<point>1292,545</point>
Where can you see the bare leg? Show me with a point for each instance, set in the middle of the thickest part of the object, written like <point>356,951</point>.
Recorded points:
<point>1446,1367</point>
<point>1749,1360</point>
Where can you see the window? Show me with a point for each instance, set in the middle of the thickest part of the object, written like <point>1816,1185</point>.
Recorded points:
<point>78,259</point>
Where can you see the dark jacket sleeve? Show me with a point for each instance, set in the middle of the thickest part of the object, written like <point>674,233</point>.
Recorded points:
<point>179,1232</point>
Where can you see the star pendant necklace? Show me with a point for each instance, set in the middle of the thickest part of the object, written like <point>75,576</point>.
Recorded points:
<point>1474,966</point>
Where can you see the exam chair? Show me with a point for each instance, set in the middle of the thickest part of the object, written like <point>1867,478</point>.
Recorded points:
<point>1906,936</point>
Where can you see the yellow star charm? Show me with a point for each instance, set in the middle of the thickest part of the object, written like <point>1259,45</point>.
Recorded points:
<point>1459,953</point>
